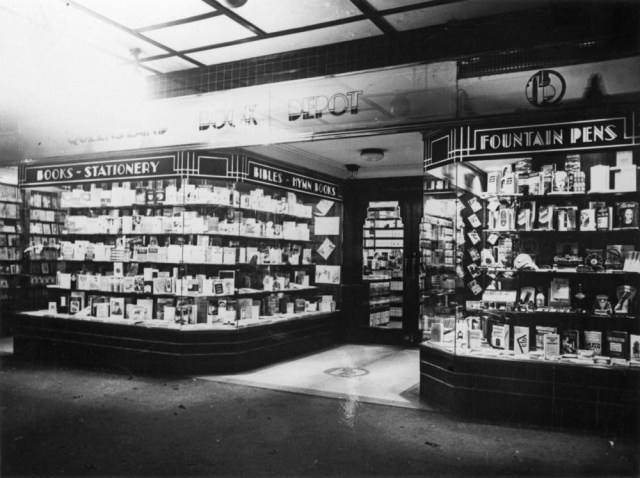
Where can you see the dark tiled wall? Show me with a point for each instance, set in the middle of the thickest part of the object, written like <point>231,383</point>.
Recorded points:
<point>536,39</point>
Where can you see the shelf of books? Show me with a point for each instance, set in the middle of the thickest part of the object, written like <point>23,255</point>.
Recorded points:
<point>552,271</point>
<point>546,279</point>
<point>383,245</point>
<point>186,251</point>
<point>11,273</point>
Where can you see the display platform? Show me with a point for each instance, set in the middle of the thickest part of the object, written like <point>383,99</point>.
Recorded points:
<point>547,393</point>
<point>163,350</point>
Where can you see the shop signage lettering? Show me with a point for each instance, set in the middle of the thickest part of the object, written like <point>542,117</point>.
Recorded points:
<point>540,138</point>
<point>264,174</point>
<point>313,107</point>
<point>114,137</point>
<point>99,171</point>
<point>221,118</point>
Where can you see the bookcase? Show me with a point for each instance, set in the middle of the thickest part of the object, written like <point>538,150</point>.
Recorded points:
<point>383,256</point>
<point>185,251</point>
<point>11,273</point>
<point>544,284</point>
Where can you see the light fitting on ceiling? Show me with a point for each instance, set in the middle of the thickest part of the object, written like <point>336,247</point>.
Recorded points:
<point>233,3</point>
<point>372,155</point>
<point>352,171</point>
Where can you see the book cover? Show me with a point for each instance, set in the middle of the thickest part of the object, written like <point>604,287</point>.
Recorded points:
<point>617,344</point>
<point>541,331</point>
<point>570,342</point>
<point>545,217</point>
<point>147,305</point>
<point>627,213</point>
<point>551,345</point>
<point>520,340</point>
<point>116,307</point>
<point>634,346</point>
<point>593,341</point>
<point>161,304</point>
<point>244,309</point>
<point>588,219</point>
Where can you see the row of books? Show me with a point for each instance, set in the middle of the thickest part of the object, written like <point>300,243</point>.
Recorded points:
<point>552,343</point>
<point>243,311</point>
<point>156,282</point>
<point>189,254</point>
<point>9,193</point>
<point>597,217</point>
<point>44,200</point>
<point>46,215</point>
<point>187,222</point>
<point>125,195</point>
<point>10,254</point>
<point>519,178</point>
<point>9,210</point>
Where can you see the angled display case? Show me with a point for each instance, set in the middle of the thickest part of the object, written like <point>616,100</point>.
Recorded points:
<point>215,260</point>
<point>546,324</point>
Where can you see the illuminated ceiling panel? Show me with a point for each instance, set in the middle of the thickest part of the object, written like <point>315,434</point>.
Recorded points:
<point>278,15</point>
<point>136,14</point>
<point>211,31</point>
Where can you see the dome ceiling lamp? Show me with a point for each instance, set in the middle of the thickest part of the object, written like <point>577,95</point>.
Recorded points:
<point>372,155</point>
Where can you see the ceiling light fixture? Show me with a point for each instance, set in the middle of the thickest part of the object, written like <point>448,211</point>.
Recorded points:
<point>372,155</point>
<point>234,3</point>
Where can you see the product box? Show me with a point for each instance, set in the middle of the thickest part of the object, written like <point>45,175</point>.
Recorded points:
<point>500,336</point>
<point>617,344</point>
<point>520,340</point>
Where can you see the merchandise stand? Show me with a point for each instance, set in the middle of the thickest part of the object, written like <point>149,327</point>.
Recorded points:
<point>186,262</point>
<point>543,326</point>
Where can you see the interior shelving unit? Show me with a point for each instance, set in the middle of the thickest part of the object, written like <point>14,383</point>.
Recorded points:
<point>383,256</point>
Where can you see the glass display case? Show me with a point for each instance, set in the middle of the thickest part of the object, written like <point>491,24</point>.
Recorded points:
<point>548,268</point>
<point>532,274</point>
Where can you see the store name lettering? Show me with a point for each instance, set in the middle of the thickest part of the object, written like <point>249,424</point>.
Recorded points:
<point>544,138</point>
<point>313,107</point>
<point>221,118</point>
<point>268,175</point>
<point>114,137</point>
<point>140,168</point>
<point>319,188</point>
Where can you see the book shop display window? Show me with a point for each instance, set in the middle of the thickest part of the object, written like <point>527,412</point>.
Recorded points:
<point>184,253</point>
<point>535,259</point>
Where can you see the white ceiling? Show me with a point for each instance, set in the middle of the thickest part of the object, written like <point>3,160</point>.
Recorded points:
<point>56,52</point>
<point>403,154</point>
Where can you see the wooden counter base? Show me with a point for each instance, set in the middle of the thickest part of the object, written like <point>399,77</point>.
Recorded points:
<point>540,392</point>
<point>167,351</point>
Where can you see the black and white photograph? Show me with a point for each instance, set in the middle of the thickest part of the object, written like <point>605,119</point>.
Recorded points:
<point>341,238</point>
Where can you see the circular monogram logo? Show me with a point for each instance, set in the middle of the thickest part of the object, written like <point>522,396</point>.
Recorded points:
<point>545,88</point>
<point>346,372</point>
